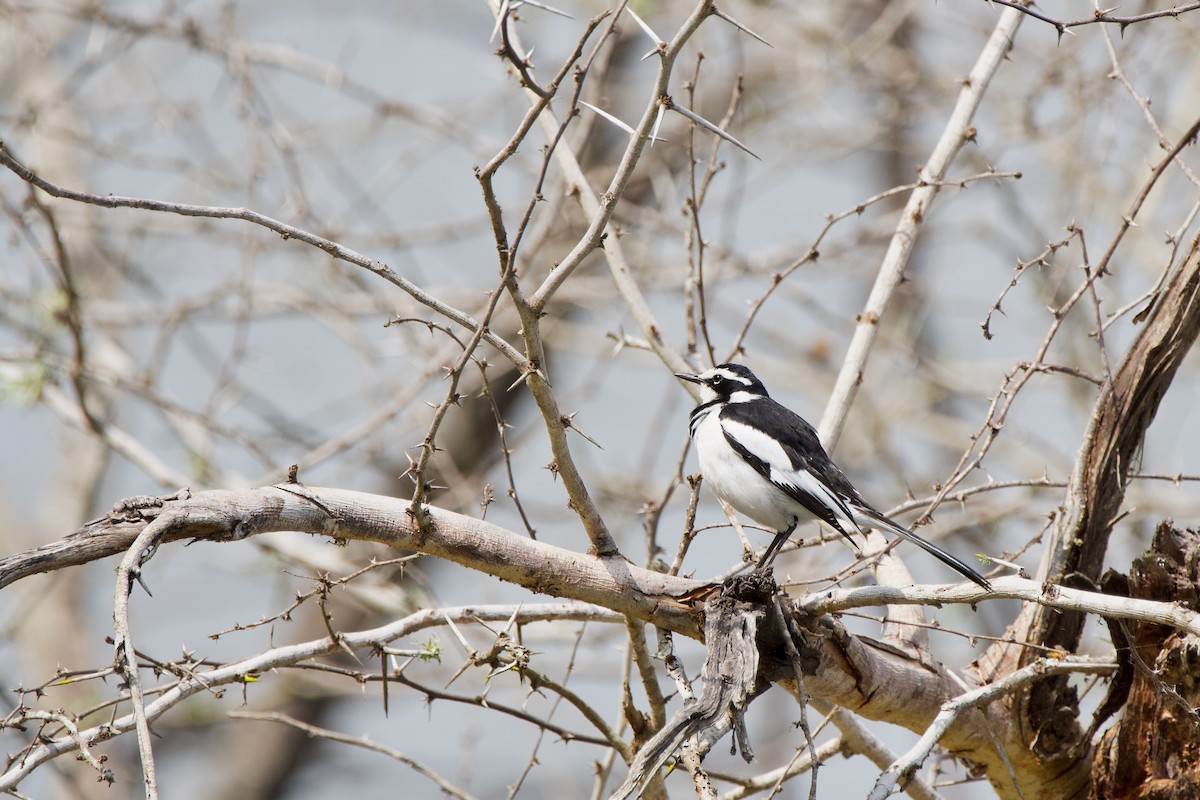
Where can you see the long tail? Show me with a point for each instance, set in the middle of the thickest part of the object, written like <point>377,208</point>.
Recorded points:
<point>873,519</point>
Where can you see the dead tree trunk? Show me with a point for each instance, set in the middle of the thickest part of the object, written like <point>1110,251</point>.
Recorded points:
<point>1154,752</point>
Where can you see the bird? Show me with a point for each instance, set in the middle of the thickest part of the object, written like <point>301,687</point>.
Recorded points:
<point>767,462</point>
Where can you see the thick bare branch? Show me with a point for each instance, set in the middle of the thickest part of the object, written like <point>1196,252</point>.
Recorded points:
<point>225,516</point>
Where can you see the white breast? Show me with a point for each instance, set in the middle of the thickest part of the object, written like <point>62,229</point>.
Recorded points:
<point>737,483</point>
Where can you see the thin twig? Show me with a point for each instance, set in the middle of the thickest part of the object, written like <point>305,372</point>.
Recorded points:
<point>318,732</point>
<point>334,249</point>
<point>904,766</point>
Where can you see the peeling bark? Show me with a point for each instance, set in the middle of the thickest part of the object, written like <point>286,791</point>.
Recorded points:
<point>1154,752</point>
<point>732,678</point>
<point>1048,712</point>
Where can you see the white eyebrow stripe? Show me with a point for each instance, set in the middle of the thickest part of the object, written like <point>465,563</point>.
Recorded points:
<point>728,375</point>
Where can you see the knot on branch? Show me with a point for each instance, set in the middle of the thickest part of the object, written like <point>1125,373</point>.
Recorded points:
<point>142,508</point>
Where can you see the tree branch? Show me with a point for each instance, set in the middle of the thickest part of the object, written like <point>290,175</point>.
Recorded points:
<point>957,132</point>
<point>334,249</point>
<point>224,516</point>
<point>870,678</point>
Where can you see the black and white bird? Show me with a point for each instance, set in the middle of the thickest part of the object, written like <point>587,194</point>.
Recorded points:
<point>767,462</point>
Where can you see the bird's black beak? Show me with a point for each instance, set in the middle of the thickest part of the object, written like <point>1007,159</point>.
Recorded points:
<point>683,376</point>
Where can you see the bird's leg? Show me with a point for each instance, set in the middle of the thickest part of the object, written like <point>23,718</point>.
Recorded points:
<point>774,547</point>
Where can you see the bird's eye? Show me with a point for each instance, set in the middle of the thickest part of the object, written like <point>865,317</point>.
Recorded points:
<point>717,381</point>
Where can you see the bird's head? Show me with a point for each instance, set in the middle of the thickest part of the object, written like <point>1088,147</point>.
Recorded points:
<point>726,382</point>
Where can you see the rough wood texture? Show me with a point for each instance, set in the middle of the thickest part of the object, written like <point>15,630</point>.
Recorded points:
<point>870,678</point>
<point>1123,413</point>
<point>731,679</point>
<point>1124,409</point>
<point>1154,753</point>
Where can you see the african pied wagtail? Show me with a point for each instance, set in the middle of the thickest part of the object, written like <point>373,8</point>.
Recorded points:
<point>767,462</point>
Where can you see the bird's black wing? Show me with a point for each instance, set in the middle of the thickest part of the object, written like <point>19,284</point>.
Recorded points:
<point>790,456</point>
